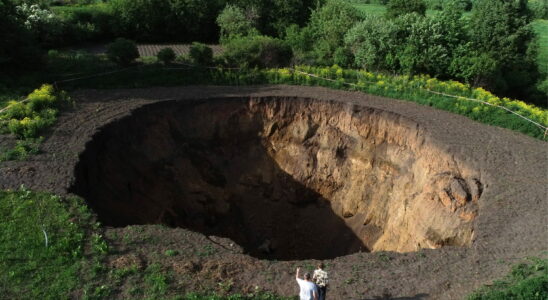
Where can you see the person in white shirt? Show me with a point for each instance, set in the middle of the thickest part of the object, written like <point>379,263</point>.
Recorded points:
<point>320,278</point>
<point>309,290</point>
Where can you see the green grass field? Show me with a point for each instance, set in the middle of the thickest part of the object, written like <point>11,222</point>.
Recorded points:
<point>541,28</point>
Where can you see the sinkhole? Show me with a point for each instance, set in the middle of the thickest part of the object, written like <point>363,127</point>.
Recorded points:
<point>286,178</point>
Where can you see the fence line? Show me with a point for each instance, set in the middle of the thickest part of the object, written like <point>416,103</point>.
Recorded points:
<point>544,128</point>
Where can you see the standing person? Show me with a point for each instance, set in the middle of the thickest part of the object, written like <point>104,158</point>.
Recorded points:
<point>309,291</point>
<point>320,278</point>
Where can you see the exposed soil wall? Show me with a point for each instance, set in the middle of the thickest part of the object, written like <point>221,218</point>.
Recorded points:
<point>280,176</point>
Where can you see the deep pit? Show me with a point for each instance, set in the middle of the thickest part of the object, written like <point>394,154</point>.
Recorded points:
<point>285,178</point>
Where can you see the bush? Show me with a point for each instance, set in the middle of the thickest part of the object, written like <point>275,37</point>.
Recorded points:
<point>201,54</point>
<point>258,51</point>
<point>166,55</point>
<point>343,57</point>
<point>28,119</point>
<point>122,51</point>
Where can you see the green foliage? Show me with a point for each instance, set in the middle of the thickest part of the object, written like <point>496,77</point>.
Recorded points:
<point>23,149</point>
<point>525,281</point>
<point>32,269</point>
<point>274,16</point>
<point>374,42</point>
<point>82,24</point>
<point>431,44</point>
<point>234,22</point>
<point>500,32</point>
<point>327,26</point>
<point>343,57</point>
<point>122,51</point>
<point>201,54</point>
<point>396,8</point>
<point>257,51</point>
<point>39,111</point>
<point>166,55</point>
<point>17,49</point>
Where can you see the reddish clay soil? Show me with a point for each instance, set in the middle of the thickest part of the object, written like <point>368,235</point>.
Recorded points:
<point>400,201</point>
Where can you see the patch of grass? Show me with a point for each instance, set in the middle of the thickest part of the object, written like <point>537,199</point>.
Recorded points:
<point>42,240</point>
<point>372,9</point>
<point>171,252</point>
<point>541,29</point>
<point>22,150</point>
<point>156,280</point>
<point>527,280</point>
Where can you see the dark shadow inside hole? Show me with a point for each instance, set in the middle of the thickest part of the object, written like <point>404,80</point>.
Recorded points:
<point>203,166</point>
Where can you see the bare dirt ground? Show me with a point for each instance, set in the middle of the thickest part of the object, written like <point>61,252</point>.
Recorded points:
<point>511,224</point>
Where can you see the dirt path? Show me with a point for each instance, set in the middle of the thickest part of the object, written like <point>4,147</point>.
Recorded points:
<point>510,226</point>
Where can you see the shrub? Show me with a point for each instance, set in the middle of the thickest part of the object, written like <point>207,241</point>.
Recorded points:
<point>166,55</point>
<point>122,51</point>
<point>343,57</point>
<point>258,51</point>
<point>27,120</point>
<point>201,54</point>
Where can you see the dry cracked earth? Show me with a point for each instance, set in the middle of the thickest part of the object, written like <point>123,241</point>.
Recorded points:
<point>246,183</point>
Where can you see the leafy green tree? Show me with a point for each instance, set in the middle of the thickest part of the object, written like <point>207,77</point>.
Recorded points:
<point>432,42</point>
<point>501,34</point>
<point>374,42</point>
<point>274,16</point>
<point>17,48</point>
<point>234,22</point>
<point>328,25</point>
<point>396,8</point>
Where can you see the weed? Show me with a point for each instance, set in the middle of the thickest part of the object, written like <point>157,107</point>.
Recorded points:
<point>207,250</point>
<point>170,252</point>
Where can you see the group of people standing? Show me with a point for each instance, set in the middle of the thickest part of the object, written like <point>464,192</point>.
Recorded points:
<point>313,287</point>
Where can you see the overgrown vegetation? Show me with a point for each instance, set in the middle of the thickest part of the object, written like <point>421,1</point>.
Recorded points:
<point>29,118</point>
<point>528,280</point>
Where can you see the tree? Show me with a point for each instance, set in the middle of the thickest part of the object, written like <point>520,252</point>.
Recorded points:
<point>234,22</point>
<point>396,8</point>
<point>374,42</point>
<point>500,32</point>
<point>328,25</point>
<point>431,43</point>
